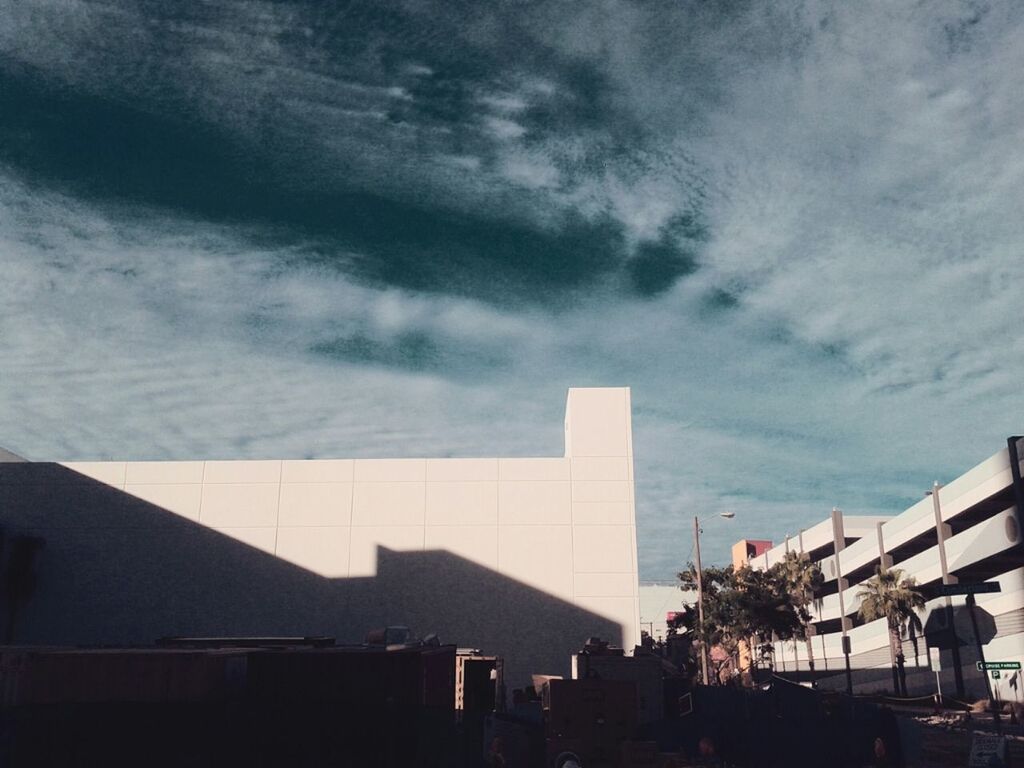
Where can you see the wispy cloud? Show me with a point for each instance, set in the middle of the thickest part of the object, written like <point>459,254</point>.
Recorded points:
<point>400,229</point>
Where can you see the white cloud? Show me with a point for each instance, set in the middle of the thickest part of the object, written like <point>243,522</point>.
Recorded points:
<point>859,171</point>
<point>397,92</point>
<point>504,129</point>
<point>419,70</point>
<point>505,103</point>
<point>530,171</point>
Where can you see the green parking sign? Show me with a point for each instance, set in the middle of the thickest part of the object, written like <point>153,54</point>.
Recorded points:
<point>996,674</point>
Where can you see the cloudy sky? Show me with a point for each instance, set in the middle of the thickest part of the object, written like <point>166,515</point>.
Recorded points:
<point>404,227</point>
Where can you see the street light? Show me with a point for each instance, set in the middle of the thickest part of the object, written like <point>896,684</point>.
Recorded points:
<point>700,591</point>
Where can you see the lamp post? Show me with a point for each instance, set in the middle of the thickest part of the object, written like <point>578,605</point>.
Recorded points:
<point>700,594</point>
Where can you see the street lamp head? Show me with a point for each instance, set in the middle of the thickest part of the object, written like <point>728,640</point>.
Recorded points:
<point>728,515</point>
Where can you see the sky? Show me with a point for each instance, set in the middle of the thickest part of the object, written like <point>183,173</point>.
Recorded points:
<point>405,227</point>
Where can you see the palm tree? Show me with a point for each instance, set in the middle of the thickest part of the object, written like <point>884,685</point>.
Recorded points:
<point>911,625</point>
<point>801,580</point>
<point>888,595</point>
<point>915,629</point>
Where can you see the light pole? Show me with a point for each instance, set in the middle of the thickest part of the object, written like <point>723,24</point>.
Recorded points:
<point>700,593</point>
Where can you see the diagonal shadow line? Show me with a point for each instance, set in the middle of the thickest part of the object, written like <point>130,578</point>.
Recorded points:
<point>118,570</point>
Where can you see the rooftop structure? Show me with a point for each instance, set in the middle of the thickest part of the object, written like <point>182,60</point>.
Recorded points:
<point>744,550</point>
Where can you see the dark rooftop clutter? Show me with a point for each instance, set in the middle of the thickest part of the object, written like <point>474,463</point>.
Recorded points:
<point>397,701</point>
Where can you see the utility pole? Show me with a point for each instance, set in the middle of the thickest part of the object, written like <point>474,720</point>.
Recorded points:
<point>700,603</point>
<point>700,592</point>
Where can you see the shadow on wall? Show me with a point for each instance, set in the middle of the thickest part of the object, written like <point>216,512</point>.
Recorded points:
<point>117,570</point>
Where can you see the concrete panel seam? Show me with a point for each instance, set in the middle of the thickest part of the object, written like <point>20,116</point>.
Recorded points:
<point>202,491</point>
<point>351,520</point>
<point>572,539</point>
<point>277,518</point>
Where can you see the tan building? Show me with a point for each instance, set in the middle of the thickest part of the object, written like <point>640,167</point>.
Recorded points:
<point>745,550</point>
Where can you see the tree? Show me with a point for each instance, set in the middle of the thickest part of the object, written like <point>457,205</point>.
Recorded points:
<point>801,579</point>
<point>719,608</point>
<point>915,629</point>
<point>891,596</point>
<point>742,604</point>
<point>767,608</point>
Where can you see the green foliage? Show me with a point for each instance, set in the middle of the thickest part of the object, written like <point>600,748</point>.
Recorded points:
<point>888,595</point>
<point>742,604</point>
<point>801,579</point>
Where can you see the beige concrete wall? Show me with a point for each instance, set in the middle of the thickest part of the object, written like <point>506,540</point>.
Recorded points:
<point>563,527</point>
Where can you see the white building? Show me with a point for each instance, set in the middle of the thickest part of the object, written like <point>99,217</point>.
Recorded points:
<point>657,601</point>
<point>521,557</point>
<point>973,522</point>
